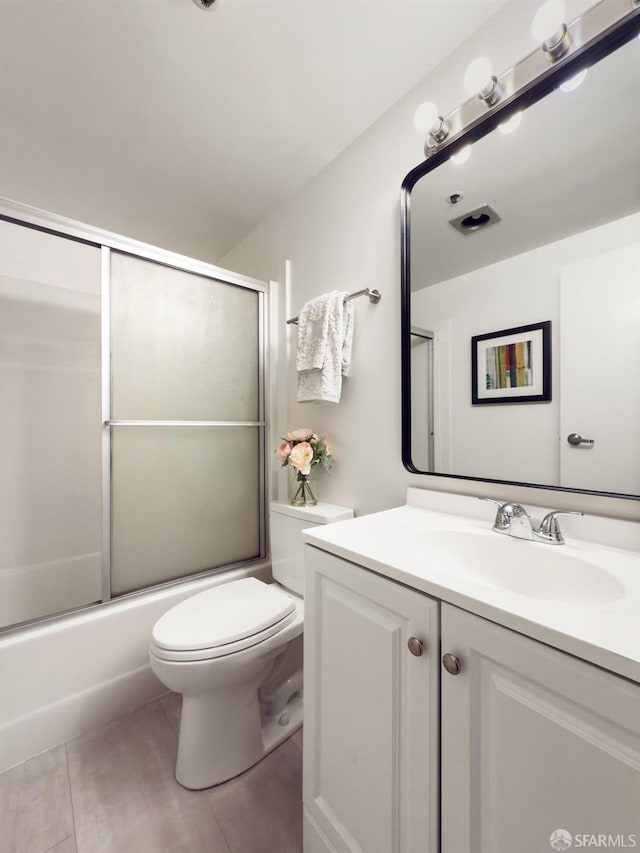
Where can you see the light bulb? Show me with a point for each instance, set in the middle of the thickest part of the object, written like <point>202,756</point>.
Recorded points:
<point>478,75</point>
<point>425,117</point>
<point>510,124</point>
<point>548,20</point>
<point>461,156</point>
<point>572,83</point>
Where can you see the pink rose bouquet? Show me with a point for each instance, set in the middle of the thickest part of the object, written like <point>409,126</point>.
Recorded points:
<point>302,449</point>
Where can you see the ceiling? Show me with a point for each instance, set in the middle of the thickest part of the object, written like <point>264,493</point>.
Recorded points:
<point>185,128</point>
<point>573,164</point>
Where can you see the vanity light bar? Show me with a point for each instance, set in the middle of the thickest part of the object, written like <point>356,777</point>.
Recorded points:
<point>564,43</point>
<point>479,78</point>
<point>549,28</point>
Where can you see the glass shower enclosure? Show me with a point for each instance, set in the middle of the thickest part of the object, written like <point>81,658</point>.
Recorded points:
<point>132,441</point>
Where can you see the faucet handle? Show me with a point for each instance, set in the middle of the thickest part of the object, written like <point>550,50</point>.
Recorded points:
<point>503,514</point>
<point>499,504</point>
<point>549,529</point>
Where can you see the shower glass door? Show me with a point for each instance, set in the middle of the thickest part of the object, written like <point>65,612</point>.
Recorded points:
<point>186,423</point>
<point>132,435</point>
<point>50,494</point>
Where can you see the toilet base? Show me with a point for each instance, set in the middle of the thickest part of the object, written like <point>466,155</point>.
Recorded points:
<point>207,755</point>
<point>276,730</point>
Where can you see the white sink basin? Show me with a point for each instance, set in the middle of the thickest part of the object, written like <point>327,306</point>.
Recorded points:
<point>528,568</point>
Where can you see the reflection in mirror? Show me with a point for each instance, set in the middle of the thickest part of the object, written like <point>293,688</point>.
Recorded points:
<point>422,372</point>
<point>559,242</point>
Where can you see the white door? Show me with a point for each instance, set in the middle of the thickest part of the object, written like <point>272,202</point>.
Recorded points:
<point>600,372</point>
<point>371,728</point>
<point>534,741</point>
<point>422,399</point>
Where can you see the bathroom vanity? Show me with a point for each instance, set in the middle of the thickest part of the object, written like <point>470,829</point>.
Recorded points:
<point>470,691</point>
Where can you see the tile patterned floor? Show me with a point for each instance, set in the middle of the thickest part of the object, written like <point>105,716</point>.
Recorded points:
<point>112,790</point>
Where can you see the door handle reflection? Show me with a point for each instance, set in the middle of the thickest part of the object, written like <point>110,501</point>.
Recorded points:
<point>576,440</point>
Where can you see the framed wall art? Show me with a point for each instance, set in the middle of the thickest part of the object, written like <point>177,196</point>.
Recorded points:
<point>512,365</point>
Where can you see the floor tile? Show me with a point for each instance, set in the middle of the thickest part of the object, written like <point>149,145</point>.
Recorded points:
<point>125,797</point>
<point>35,805</point>
<point>172,704</point>
<point>261,810</point>
<point>66,846</point>
<point>297,738</point>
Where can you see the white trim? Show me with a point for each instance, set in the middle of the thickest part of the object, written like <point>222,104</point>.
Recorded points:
<point>35,217</point>
<point>133,423</point>
<point>106,415</point>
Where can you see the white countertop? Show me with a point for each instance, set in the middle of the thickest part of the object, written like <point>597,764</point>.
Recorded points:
<point>396,543</point>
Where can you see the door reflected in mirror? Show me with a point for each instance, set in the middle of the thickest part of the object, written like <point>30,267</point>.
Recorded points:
<point>548,232</point>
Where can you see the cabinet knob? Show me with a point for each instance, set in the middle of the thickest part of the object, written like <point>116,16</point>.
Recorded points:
<point>451,664</point>
<point>415,646</point>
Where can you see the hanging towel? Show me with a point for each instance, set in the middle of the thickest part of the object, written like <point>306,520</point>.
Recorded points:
<point>324,328</point>
<point>348,338</point>
<point>313,331</point>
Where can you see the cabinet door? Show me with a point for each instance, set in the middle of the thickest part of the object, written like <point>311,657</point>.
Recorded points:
<point>370,735</point>
<point>534,741</point>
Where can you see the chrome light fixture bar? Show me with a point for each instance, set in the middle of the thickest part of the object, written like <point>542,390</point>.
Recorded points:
<point>491,92</point>
<point>427,120</point>
<point>550,28</point>
<point>439,131</point>
<point>561,43</point>
<point>479,78</point>
<point>558,44</point>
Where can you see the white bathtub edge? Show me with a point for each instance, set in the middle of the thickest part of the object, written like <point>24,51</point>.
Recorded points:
<point>61,678</point>
<point>60,721</point>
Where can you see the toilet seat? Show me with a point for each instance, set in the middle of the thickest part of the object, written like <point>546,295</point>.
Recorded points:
<point>222,621</point>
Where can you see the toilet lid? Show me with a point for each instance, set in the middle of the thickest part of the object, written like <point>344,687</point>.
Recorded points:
<point>222,615</point>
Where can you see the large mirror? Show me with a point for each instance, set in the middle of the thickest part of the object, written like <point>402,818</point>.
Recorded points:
<point>521,327</point>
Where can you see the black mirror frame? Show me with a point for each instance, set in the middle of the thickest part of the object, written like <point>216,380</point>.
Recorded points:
<point>544,85</point>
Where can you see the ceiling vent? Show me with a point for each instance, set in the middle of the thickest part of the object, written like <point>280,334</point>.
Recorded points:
<point>475,220</point>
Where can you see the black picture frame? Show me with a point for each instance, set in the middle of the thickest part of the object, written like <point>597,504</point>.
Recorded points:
<point>512,365</point>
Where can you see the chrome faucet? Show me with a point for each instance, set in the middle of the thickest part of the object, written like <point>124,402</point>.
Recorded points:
<point>512,519</point>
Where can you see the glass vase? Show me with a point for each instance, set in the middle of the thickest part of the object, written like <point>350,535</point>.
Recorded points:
<point>301,493</point>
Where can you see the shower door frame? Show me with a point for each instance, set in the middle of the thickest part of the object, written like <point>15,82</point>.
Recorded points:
<point>107,241</point>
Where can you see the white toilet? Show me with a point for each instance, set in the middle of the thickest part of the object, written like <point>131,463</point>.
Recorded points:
<point>232,652</point>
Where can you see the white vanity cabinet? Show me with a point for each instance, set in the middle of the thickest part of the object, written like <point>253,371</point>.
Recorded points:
<point>371,729</point>
<point>533,741</point>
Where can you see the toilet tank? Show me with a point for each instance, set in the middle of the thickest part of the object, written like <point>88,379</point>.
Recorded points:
<point>286,524</point>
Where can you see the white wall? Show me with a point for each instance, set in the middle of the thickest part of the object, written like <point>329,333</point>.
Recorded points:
<point>514,292</point>
<point>517,442</point>
<point>342,231</point>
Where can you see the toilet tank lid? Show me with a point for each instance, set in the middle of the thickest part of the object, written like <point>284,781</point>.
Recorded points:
<point>321,513</point>
<point>224,614</point>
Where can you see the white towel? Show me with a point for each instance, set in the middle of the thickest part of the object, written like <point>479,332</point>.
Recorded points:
<point>325,334</point>
<point>348,338</point>
<point>313,330</point>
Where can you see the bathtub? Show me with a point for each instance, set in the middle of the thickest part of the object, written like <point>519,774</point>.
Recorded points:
<point>68,674</point>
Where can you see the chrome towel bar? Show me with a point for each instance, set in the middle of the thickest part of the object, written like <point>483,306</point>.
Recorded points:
<point>374,297</point>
